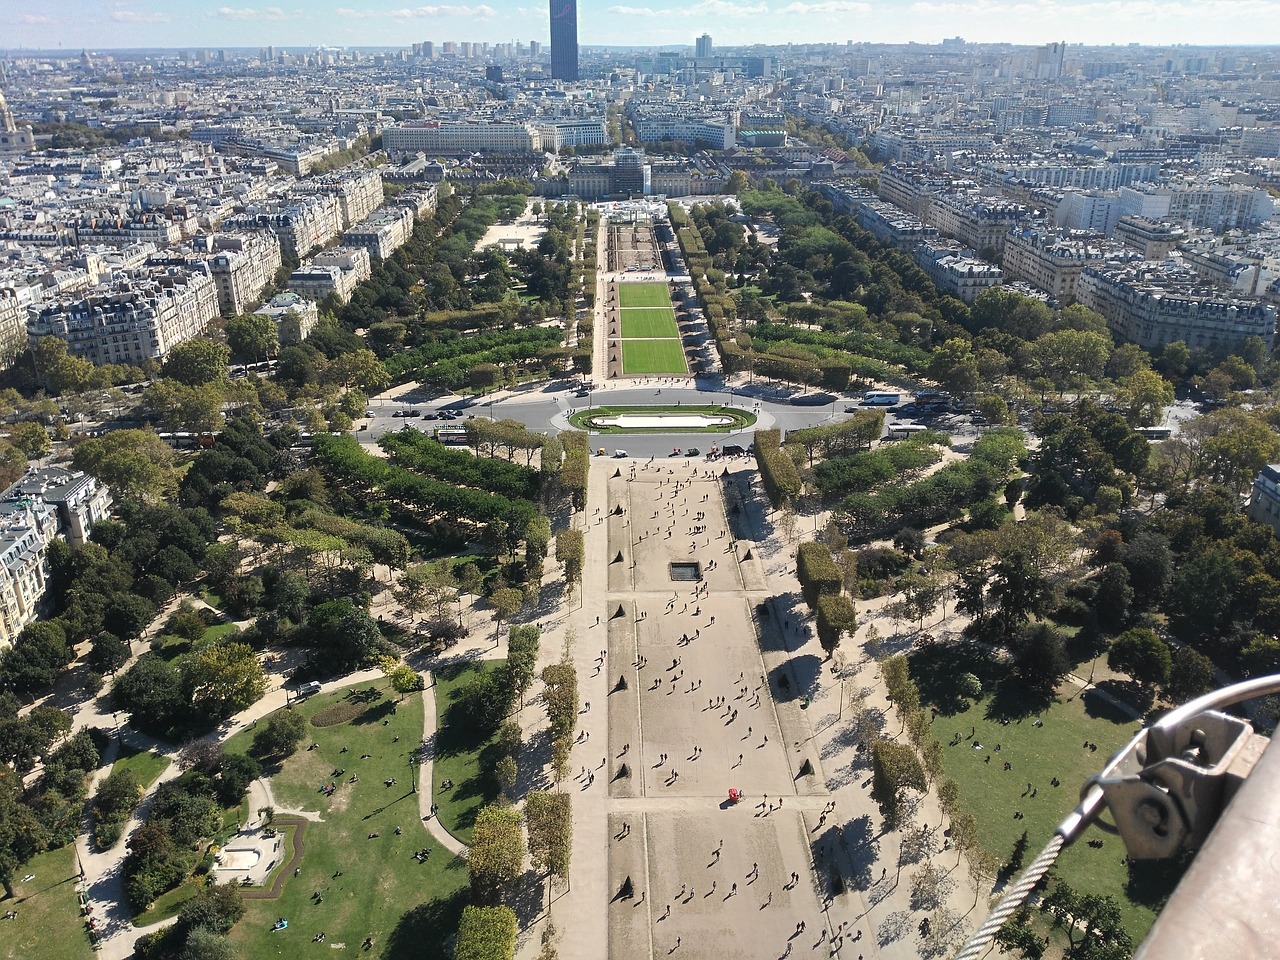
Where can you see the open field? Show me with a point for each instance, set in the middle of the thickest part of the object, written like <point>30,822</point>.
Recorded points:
<point>653,356</point>
<point>649,322</point>
<point>460,753</point>
<point>146,765</point>
<point>48,925</point>
<point>1037,755</point>
<point>644,295</point>
<point>369,885</point>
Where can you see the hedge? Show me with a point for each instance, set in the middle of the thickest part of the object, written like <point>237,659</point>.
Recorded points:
<point>817,572</point>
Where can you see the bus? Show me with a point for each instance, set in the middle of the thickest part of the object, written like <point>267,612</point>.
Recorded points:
<point>881,398</point>
<point>1154,433</point>
<point>454,436</point>
<point>900,431</point>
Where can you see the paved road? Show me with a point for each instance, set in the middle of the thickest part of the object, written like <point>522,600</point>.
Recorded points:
<point>548,408</point>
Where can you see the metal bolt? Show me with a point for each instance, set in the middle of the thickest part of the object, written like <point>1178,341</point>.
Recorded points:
<point>1155,816</point>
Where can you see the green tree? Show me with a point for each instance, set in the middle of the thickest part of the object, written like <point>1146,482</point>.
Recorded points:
<point>1142,655</point>
<point>197,361</point>
<point>280,735</point>
<point>549,821</point>
<point>31,439</point>
<point>61,372</point>
<point>22,835</point>
<point>1190,674</point>
<point>1144,394</point>
<point>486,933</point>
<point>497,851</point>
<point>506,603</point>
<point>224,678</point>
<point>135,464</point>
<point>205,944</point>
<point>217,908</point>
<point>252,337</point>
<point>835,619</point>
<point>561,695</point>
<point>895,768</point>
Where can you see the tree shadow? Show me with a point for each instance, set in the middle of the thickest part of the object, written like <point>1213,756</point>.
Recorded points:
<point>1151,882</point>
<point>1013,700</point>
<point>935,669</point>
<point>367,695</point>
<point>376,713</point>
<point>795,678</point>
<point>425,930</point>
<point>1138,698</point>
<point>858,839</point>
<point>527,897</point>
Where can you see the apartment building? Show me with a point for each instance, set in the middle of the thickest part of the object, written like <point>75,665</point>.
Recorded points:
<point>573,133</point>
<point>13,322</point>
<point>337,271</point>
<point>1155,303</point>
<point>382,232</point>
<point>977,222</point>
<point>44,504</point>
<point>1264,504</point>
<point>294,317</point>
<point>894,227</point>
<point>358,192</point>
<point>138,315</point>
<point>301,225</point>
<point>1050,261</point>
<point>1209,206</point>
<point>242,266</point>
<point>436,137</point>
<point>956,272</point>
<point>716,134</point>
<point>1150,239</point>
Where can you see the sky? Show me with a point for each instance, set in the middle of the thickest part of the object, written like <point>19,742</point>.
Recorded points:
<point>108,24</point>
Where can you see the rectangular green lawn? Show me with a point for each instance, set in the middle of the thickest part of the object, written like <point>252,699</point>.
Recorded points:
<point>48,925</point>
<point>653,356</point>
<point>649,322</point>
<point>369,885</point>
<point>1038,754</point>
<point>644,295</point>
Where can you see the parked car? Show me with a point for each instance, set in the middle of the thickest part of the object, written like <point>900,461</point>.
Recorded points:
<point>309,689</point>
<point>693,452</point>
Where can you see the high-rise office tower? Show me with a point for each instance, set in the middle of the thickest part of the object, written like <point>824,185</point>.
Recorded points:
<point>535,49</point>
<point>702,47</point>
<point>564,39</point>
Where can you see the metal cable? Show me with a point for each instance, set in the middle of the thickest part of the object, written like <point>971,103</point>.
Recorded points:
<point>1091,803</point>
<point>1013,898</point>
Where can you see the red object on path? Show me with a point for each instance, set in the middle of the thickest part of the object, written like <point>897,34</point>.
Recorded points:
<point>735,795</point>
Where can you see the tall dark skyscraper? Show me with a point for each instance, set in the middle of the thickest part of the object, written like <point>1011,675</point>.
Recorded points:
<point>564,39</point>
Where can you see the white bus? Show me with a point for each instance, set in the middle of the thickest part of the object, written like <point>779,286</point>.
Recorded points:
<point>900,431</point>
<point>881,398</point>
<point>1154,433</point>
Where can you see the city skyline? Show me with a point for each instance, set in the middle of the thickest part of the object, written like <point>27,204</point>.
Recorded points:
<point>132,24</point>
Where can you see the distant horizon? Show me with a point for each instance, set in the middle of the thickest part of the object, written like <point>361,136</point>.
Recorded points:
<point>50,26</point>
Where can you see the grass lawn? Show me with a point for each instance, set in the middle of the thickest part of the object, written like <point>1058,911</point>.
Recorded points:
<point>48,925</point>
<point>644,295</point>
<point>653,356</point>
<point>409,909</point>
<point>145,764</point>
<point>219,630</point>
<point>649,322</point>
<point>1037,755</point>
<point>463,754</point>
<point>587,419</point>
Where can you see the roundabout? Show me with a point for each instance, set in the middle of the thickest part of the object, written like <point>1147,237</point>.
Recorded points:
<point>662,419</point>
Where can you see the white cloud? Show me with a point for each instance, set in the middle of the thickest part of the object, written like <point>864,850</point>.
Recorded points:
<point>826,6</point>
<point>706,8</point>
<point>132,16</point>
<point>480,12</point>
<point>35,20</point>
<point>252,13</point>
